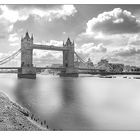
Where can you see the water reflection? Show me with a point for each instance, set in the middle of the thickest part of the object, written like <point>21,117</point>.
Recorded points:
<point>84,103</point>
<point>71,116</point>
<point>24,90</point>
<point>55,101</point>
<point>68,90</point>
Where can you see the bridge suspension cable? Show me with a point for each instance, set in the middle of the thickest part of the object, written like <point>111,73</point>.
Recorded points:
<point>81,60</point>
<point>7,59</point>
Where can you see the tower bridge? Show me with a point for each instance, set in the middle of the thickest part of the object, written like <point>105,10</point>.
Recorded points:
<point>28,70</point>
<point>68,69</point>
<point>27,46</point>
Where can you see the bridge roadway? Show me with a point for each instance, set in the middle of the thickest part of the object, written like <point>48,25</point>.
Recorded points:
<point>36,68</point>
<point>46,68</point>
<point>48,47</point>
<point>89,71</point>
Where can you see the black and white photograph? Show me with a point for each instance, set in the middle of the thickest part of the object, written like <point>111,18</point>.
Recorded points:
<point>69,67</point>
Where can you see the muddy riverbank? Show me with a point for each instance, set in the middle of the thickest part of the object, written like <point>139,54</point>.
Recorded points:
<point>14,117</point>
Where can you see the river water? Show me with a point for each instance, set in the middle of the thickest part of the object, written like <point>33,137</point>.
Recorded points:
<point>83,103</point>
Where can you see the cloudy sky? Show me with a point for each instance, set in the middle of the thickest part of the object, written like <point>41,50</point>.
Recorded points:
<point>99,31</point>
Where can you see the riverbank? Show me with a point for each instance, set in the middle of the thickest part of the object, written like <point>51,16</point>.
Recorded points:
<point>15,118</point>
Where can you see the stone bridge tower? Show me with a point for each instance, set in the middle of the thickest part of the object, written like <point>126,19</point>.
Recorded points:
<point>27,69</point>
<point>27,51</point>
<point>68,60</point>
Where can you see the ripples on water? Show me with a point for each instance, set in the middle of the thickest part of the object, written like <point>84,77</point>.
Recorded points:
<point>84,103</point>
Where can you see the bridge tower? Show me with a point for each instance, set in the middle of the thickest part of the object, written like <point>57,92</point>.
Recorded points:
<point>27,70</point>
<point>68,60</point>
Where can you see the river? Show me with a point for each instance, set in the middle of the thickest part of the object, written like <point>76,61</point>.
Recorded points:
<point>83,103</point>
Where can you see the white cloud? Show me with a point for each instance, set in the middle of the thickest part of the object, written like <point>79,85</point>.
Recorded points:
<point>14,44</point>
<point>63,12</point>
<point>115,29</point>
<point>127,51</point>
<point>92,48</point>
<point>55,43</point>
<point>14,40</point>
<point>10,28</point>
<point>130,55</point>
<point>44,58</point>
<point>13,37</point>
<point>134,40</point>
<point>117,21</point>
<point>22,14</point>
<point>9,16</point>
<point>51,42</point>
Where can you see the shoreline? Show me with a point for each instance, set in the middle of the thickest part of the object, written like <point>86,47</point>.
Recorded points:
<point>14,117</point>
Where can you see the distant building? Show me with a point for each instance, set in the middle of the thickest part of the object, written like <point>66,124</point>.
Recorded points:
<point>127,68</point>
<point>135,69</point>
<point>89,63</point>
<point>104,65</point>
<point>54,71</point>
<point>117,67</point>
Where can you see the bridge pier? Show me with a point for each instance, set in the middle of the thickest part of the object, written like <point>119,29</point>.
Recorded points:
<point>27,72</point>
<point>69,72</point>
